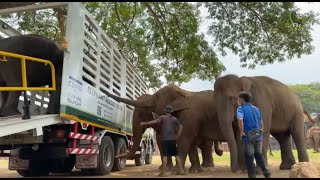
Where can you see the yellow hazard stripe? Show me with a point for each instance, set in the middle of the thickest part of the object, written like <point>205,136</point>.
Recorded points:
<point>75,118</point>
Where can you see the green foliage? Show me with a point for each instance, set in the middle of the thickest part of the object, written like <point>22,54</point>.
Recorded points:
<point>261,32</point>
<point>168,33</point>
<point>309,96</point>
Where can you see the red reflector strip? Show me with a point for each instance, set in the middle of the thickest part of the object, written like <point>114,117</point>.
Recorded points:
<point>82,151</point>
<point>82,136</point>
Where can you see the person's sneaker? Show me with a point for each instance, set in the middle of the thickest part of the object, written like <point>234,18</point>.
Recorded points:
<point>267,175</point>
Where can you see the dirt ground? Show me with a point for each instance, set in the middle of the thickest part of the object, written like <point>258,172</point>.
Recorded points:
<point>221,170</point>
<point>146,171</point>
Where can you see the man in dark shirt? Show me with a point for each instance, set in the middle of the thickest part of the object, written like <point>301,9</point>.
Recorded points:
<point>249,118</point>
<point>171,129</point>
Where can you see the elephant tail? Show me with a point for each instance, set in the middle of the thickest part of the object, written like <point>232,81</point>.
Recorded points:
<point>217,149</point>
<point>308,115</point>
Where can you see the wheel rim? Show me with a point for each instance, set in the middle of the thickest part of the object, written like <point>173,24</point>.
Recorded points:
<point>107,156</point>
<point>122,160</point>
<point>143,155</point>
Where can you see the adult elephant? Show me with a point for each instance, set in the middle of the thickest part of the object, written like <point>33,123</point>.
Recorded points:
<point>195,109</point>
<point>282,114</point>
<point>37,73</point>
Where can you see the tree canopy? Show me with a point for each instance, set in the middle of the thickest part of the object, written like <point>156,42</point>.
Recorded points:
<point>309,95</point>
<point>163,38</point>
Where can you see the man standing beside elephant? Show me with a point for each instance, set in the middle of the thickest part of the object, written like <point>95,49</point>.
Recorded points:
<point>250,122</point>
<point>171,130</point>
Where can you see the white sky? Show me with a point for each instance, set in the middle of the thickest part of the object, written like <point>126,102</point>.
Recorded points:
<point>297,71</point>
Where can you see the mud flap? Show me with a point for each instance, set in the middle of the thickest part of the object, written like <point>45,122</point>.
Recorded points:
<point>18,164</point>
<point>86,161</point>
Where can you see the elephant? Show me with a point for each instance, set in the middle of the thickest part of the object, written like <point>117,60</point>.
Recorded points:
<point>196,110</point>
<point>37,73</point>
<point>313,136</point>
<point>282,115</point>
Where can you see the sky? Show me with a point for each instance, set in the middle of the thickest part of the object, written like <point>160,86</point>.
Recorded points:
<point>295,71</point>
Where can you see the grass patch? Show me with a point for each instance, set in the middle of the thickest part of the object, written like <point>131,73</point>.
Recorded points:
<point>225,158</point>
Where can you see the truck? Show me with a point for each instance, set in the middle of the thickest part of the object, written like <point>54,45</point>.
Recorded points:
<point>91,128</point>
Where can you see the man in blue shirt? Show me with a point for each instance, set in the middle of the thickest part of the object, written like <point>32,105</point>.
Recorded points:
<point>249,118</point>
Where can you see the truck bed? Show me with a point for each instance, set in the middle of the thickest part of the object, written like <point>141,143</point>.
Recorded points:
<point>15,124</point>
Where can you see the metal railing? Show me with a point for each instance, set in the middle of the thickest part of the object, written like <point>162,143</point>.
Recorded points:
<point>23,60</point>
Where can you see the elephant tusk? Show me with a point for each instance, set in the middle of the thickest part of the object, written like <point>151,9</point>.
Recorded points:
<point>4,59</point>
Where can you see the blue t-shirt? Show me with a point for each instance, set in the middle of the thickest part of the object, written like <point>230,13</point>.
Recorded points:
<point>246,112</point>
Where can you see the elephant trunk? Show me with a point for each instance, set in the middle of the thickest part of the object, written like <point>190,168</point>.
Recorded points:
<point>136,138</point>
<point>217,149</point>
<point>225,116</point>
<point>135,103</point>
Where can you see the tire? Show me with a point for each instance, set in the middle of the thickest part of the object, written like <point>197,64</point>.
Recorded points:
<point>105,158</point>
<point>62,165</point>
<point>139,161</point>
<point>149,159</point>
<point>36,168</point>
<point>120,148</point>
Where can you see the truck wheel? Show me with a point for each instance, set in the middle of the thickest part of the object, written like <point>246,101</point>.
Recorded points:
<point>36,168</point>
<point>120,148</point>
<point>139,161</point>
<point>105,157</point>
<point>149,159</point>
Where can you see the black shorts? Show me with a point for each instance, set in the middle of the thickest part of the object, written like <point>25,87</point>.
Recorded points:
<point>169,148</point>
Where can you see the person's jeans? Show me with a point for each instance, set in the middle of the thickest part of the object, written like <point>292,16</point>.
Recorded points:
<point>254,150</point>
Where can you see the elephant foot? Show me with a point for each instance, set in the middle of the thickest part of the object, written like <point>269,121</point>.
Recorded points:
<point>207,164</point>
<point>286,165</point>
<point>195,169</point>
<point>169,167</point>
<point>162,174</point>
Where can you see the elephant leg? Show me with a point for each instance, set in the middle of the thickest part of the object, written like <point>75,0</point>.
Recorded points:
<point>170,166</point>
<point>297,133</point>
<point>194,159</point>
<point>206,150</point>
<point>207,159</point>
<point>10,107</point>
<point>316,142</point>
<point>287,158</point>
<point>184,144</point>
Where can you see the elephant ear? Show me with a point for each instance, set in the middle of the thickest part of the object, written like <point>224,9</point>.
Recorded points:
<point>180,104</point>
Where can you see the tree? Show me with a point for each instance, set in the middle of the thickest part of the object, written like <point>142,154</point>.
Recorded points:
<point>309,95</point>
<point>262,32</point>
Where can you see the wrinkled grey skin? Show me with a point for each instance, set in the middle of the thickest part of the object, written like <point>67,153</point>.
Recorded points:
<point>37,73</point>
<point>196,110</point>
<point>281,110</point>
